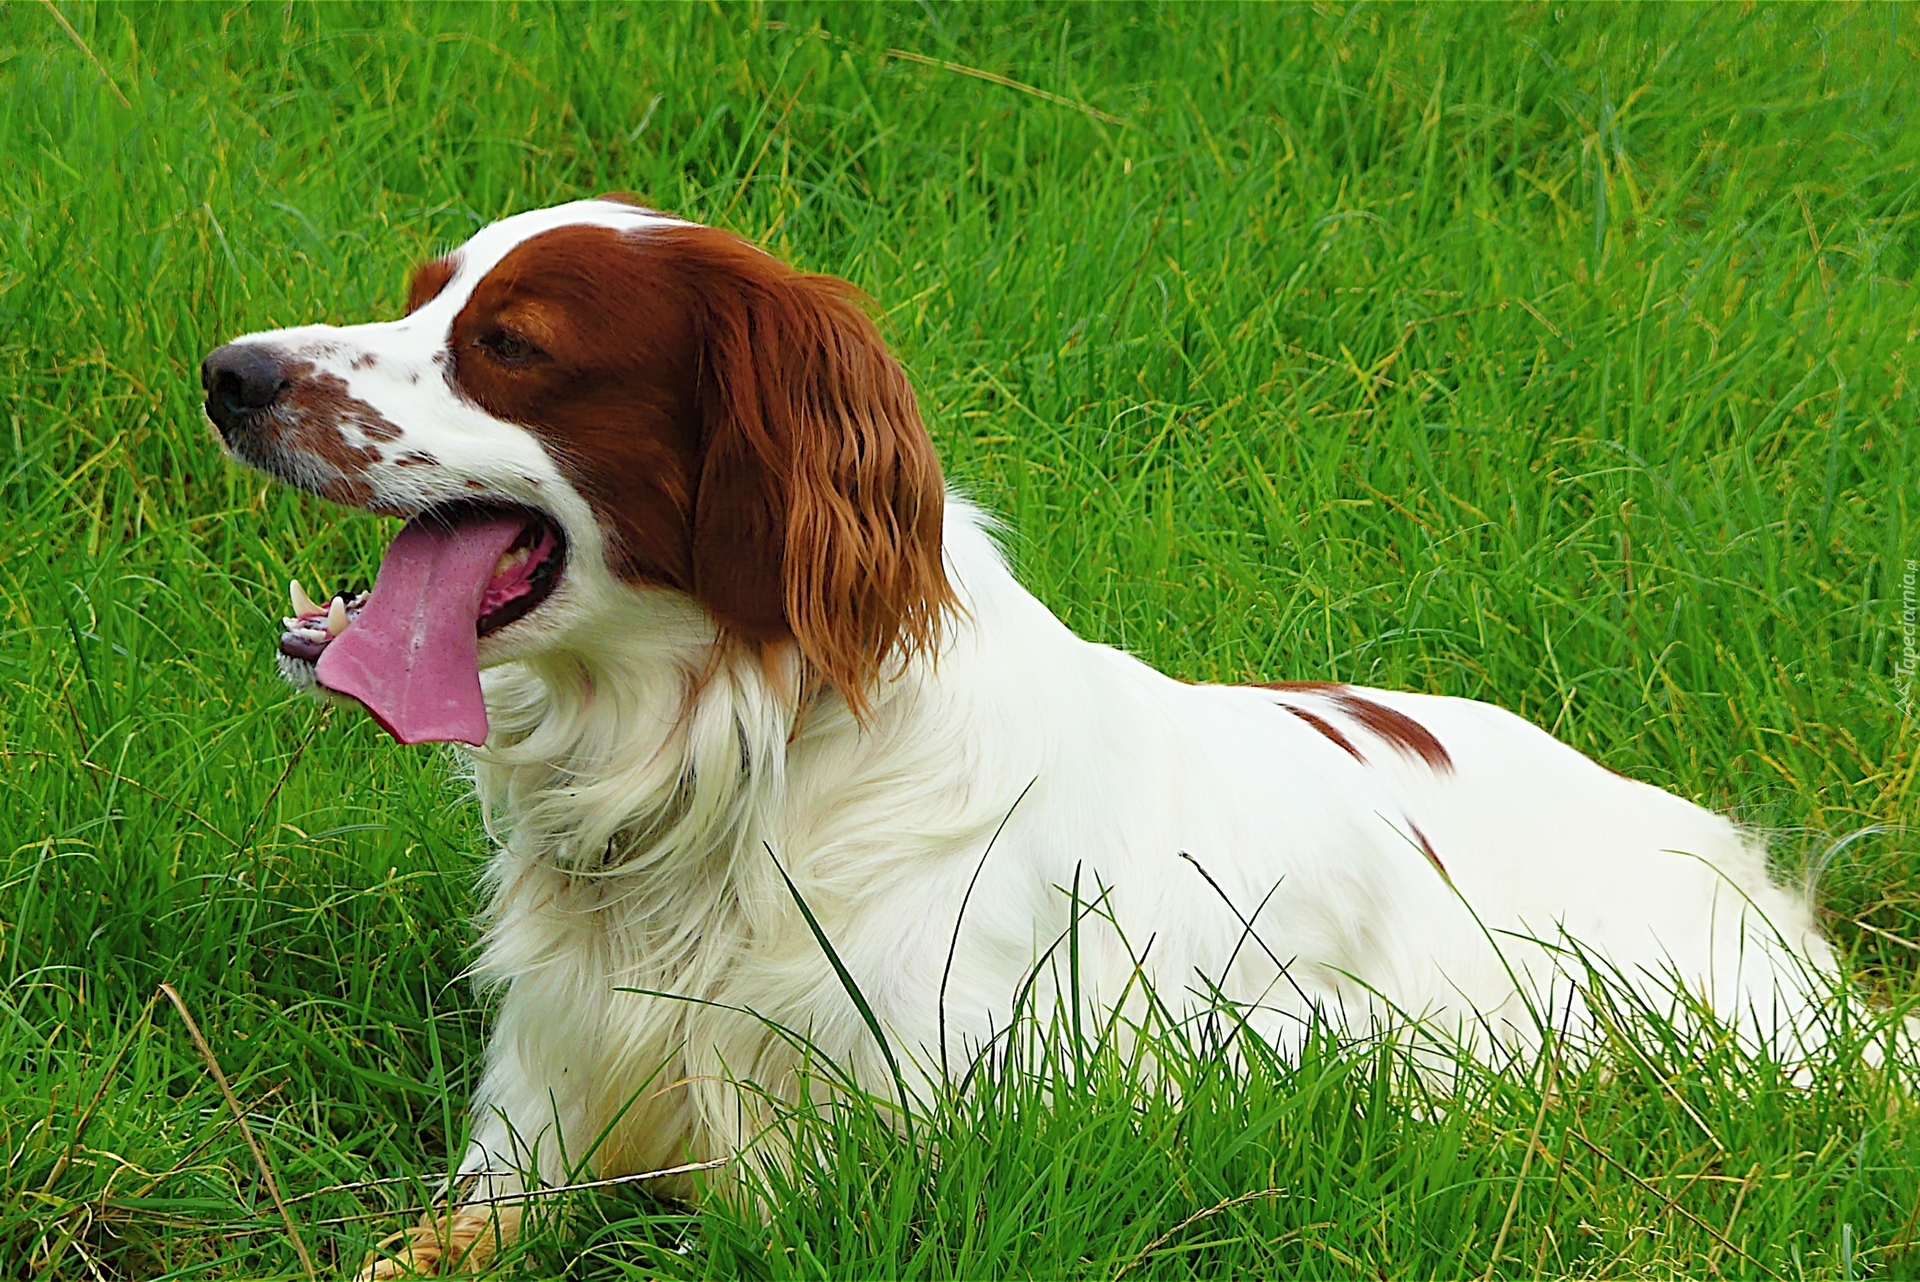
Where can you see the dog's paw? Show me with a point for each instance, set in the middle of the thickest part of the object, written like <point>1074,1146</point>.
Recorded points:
<point>462,1242</point>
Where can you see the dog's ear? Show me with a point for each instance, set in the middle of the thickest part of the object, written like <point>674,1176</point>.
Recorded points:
<point>819,502</point>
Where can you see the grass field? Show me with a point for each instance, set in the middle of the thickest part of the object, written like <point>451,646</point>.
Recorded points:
<point>1559,356</point>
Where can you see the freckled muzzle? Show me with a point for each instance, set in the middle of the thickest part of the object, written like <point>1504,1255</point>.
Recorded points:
<point>277,412</point>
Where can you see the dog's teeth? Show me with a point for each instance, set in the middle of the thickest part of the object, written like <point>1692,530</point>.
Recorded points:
<point>336,617</point>
<point>504,564</point>
<point>522,555</point>
<point>302,603</point>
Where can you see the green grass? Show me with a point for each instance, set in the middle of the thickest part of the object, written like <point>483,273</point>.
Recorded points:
<point>1563,357</point>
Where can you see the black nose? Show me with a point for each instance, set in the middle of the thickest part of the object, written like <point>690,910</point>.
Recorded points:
<point>241,379</point>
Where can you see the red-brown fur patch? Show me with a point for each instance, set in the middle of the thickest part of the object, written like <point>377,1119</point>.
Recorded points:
<point>428,280</point>
<point>310,421</point>
<point>1397,728</point>
<point>1426,848</point>
<point>737,426</point>
<point>1320,723</point>
<point>319,405</point>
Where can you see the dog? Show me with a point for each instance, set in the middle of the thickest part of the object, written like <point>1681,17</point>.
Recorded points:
<point>680,568</point>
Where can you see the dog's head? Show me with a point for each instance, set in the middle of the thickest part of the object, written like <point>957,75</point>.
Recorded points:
<point>585,403</point>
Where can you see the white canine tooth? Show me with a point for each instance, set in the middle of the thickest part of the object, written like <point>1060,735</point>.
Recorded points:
<point>302,603</point>
<point>522,555</point>
<point>504,564</point>
<point>336,617</point>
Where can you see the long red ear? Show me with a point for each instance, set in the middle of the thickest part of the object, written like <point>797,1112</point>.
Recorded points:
<point>820,499</point>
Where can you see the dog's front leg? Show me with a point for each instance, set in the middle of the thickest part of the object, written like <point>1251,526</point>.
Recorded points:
<point>516,1146</point>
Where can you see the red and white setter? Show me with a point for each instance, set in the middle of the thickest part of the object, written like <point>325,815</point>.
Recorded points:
<point>680,566</point>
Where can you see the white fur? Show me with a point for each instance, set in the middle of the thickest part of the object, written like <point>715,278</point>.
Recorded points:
<point>882,827</point>
<point>641,782</point>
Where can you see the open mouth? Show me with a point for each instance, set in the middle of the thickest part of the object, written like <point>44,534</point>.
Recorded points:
<point>524,576</point>
<point>408,649</point>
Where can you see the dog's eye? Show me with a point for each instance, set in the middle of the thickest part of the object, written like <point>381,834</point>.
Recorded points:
<point>509,348</point>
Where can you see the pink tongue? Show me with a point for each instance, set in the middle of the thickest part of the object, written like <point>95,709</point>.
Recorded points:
<point>412,656</point>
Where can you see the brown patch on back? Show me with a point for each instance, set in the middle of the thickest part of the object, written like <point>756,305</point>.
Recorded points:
<point>1426,848</point>
<point>1397,728</point>
<point>1320,723</point>
<point>737,426</point>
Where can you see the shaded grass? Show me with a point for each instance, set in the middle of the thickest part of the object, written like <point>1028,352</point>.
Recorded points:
<point>1561,357</point>
<point>1350,1160</point>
